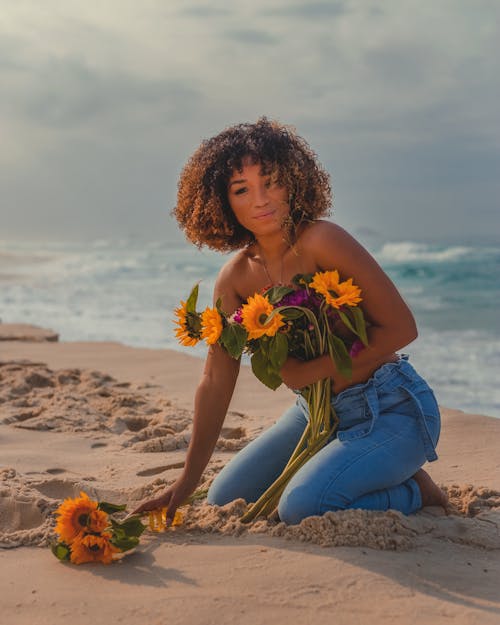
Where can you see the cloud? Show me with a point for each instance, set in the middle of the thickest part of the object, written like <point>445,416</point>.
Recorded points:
<point>204,11</point>
<point>309,10</point>
<point>100,113</point>
<point>250,36</point>
<point>68,92</point>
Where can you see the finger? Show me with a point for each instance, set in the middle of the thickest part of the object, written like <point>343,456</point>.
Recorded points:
<point>171,510</point>
<point>147,506</point>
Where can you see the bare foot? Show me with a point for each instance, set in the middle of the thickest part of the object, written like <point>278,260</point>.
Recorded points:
<point>431,494</point>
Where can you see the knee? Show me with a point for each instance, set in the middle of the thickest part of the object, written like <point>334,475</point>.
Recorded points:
<point>219,494</point>
<point>299,502</point>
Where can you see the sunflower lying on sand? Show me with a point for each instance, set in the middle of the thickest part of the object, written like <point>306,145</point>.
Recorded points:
<point>88,533</point>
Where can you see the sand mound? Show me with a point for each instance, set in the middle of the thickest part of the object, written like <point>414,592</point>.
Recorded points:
<point>379,530</point>
<point>468,500</point>
<point>35,397</point>
<point>367,528</point>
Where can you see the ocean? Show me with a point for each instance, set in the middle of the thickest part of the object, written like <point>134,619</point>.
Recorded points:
<point>127,290</point>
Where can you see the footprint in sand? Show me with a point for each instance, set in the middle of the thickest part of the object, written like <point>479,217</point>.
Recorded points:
<point>97,445</point>
<point>55,471</point>
<point>156,470</point>
<point>58,489</point>
<point>17,514</point>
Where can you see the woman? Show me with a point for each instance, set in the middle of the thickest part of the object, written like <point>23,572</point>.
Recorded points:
<point>258,188</point>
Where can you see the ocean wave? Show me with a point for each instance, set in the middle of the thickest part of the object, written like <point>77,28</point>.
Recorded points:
<point>410,251</point>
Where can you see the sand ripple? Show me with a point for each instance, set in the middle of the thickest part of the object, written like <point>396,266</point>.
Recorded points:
<point>35,397</point>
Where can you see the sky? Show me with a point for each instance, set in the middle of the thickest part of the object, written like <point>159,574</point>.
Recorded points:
<point>102,103</point>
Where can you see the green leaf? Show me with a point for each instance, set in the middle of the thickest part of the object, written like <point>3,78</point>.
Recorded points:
<point>109,508</point>
<point>347,321</point>
<point>290,313</point>
<point>125,544</point>
<point>132,526</point>
<point>276,293</point>
<point>340,356</point>
<point>192,299</point>
<point>278,350</point>
<point>302,279</point>
<point>60,550</point>
<point>263,371</point>
<point>360,323</point>
<point>263,343</point>
<point>233,338</point>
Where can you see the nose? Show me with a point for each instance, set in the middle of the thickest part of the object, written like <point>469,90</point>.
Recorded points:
<point>261,197</point>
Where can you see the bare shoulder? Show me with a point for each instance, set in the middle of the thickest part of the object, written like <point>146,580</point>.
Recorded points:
<point>321,231</point>
<point>329,243</point>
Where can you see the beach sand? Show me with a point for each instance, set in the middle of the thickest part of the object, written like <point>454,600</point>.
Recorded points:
<point>115,421</point>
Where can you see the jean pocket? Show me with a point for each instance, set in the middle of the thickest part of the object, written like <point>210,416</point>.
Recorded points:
<point>355,424</point>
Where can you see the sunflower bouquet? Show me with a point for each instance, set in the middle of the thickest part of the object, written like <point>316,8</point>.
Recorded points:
<point>88,533</point>
<point>317,314</point>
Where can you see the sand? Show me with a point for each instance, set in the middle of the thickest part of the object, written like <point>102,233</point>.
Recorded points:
<point>115,421</point>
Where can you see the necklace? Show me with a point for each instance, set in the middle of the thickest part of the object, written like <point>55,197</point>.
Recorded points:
<point>264,264</point>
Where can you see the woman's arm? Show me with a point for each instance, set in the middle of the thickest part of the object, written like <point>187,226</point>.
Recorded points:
<point>392,325</point>
<point>211,402</point>
<point>212,399</point>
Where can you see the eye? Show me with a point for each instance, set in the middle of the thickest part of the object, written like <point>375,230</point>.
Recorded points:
<point>240,191</point>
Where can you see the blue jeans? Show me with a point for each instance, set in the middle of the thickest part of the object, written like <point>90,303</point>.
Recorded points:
<point>388,427</point>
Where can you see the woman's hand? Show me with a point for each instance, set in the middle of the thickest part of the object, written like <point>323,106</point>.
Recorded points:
<point>174,496</point>
<point>299,373</point>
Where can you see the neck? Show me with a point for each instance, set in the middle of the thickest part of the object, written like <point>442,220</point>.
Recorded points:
<point>272,247</point>
<point>272,259</point>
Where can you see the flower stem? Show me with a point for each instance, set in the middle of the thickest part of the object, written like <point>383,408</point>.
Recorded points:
<point>315,436</point>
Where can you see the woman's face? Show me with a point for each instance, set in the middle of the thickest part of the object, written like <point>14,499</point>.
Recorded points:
<point>258,202</point>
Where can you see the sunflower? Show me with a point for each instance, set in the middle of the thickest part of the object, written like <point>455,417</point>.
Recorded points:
<point>211,325</point>
<point>348,294</point>
<point>158,519</point>
<point>91,548</point>
<point>187,332</point>
<point>336,293</point>
<point>98,521</point>
<point>75,517</point>
<point>254,314</point>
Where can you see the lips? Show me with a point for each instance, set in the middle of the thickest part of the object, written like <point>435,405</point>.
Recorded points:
<point>268,213</point>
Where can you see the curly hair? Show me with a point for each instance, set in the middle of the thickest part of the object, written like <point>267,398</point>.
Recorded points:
<point>203,209</point>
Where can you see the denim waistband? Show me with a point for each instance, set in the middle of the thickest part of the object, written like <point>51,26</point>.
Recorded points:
<point>382,376</point>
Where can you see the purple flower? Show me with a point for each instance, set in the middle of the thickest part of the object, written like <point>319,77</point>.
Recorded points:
<point>301,297</point>
<point>356,348</point>
<point>236,316</point>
